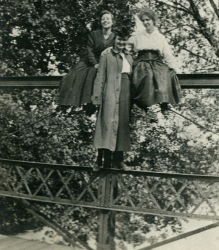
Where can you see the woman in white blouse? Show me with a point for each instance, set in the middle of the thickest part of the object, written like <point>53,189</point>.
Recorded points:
<point>154,77</point>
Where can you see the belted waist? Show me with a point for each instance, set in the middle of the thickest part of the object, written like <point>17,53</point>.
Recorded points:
<point>126,75</point>
<point>148,55</point>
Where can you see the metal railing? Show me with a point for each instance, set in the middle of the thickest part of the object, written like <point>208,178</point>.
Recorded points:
<point>145,192</point>
<point>186,81</point>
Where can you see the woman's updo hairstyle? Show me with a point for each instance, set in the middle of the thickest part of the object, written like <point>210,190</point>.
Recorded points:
<point>149,13</point>
<point>103,12</point>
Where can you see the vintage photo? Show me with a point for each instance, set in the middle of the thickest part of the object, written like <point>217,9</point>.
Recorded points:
<point>109,124</point>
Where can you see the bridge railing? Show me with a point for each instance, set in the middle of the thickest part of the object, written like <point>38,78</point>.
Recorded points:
<point>156,193</point>
<point>186,81</point>
<point>145,192</point>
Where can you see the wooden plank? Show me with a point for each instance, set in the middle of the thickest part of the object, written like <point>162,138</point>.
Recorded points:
<point>186,81</point>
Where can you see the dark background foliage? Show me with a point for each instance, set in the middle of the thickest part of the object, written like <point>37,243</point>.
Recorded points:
<point>40,37</point>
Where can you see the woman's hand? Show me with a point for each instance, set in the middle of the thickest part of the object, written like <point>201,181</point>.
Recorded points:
<point>96,66</point>
<point>175,70</point>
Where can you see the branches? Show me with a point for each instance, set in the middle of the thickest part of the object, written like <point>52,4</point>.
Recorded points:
<point>100,2</point>
<point>194,54</point>
<point>213,5</point>
<point>181,26</point>
<point>194,12</point>
<point>202,24</point>
<point>207,68</point>
<point>182,8</point>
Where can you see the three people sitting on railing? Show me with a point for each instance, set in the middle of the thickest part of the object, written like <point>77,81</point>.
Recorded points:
<point>153,82</point>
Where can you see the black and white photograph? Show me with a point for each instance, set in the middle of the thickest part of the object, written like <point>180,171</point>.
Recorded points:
<point>109,124</point>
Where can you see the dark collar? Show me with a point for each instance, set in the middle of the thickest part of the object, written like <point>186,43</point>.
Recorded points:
<point>115,52</point>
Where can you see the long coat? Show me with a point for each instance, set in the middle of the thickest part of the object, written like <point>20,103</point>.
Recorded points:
<point>108,90</point>
<point>77,86</point>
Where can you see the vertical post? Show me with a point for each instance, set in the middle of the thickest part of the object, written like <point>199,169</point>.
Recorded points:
<point>106,232</point>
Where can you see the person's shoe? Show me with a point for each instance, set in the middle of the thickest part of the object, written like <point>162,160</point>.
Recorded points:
<point>89,109</point>
<point>96,167</point>
<point>143,107</point>
<point>123,166</point>
<point>165,113</point>
<point>165,109</point>
<point>120,165</point>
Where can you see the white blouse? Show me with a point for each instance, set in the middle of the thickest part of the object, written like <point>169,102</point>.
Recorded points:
<point>154,41</point>
<point>126,67</point>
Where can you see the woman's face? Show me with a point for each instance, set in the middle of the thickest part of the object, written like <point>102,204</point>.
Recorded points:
<point>106,21</point>
<point>148,23</point>
<point>120,43</point>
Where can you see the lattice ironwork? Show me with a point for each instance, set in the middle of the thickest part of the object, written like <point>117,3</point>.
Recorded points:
<point>177,195</point>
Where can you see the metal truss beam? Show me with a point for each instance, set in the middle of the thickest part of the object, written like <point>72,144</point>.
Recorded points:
<point>155,193</point>
<point>186,81</point>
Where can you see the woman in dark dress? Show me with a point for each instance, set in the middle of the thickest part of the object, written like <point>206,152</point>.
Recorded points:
<point>77,86</point>
<point>154,77</point>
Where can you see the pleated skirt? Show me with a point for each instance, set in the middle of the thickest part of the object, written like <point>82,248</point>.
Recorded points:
<point>154,83</point>
<point>76,87</point>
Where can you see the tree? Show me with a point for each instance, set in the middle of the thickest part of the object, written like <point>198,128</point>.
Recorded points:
<point>40,35</point>
<point>191,26</point>
<point>34,35</point>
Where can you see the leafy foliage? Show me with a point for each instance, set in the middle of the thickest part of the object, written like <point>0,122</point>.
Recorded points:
<point>192,28</point>
<point>41,37</point>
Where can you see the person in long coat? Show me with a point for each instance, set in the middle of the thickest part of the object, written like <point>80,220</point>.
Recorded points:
<point>112,93</point>
<point>154,69</point>
<point>77,86</point>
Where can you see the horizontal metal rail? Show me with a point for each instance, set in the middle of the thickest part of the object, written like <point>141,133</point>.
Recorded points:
<point>186,81</point>
<point>28,164</point>
<point>145,192</point>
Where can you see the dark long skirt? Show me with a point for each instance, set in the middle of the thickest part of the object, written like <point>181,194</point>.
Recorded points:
<point>123,134</point>
<point>76,87</point>
<point>154,82</point>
